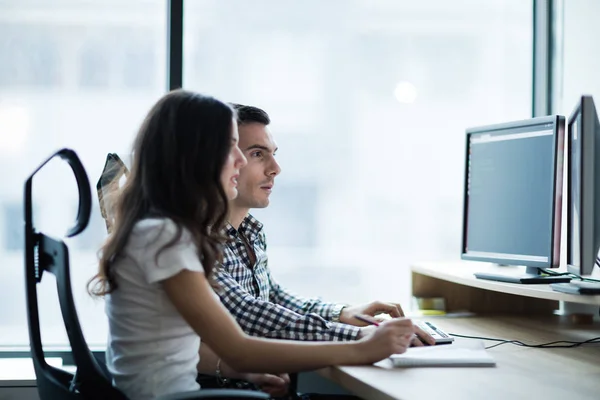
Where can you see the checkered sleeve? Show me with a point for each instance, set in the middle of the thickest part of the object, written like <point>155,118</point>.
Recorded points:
<point>263,318</point>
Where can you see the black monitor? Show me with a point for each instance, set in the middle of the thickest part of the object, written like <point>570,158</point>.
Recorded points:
<point>583,195</point>
<point>513,197</point>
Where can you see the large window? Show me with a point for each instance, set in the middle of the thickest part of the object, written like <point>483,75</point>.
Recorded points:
<point>72,74</point>
<point>576,66</point>
<point>369,103</point>
<point>578,54</point>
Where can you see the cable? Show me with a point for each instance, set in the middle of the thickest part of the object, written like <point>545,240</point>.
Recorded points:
<point>550,345</point>
<point>570,274</point>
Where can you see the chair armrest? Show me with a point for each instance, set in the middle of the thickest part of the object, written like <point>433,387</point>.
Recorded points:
<point>221,394</point>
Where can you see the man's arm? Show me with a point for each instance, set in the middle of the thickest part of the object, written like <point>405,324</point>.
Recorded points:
<point>339,312</point>
<point>266,319</point>
<point>283,297</point>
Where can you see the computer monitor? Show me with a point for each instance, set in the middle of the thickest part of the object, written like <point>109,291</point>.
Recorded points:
<point>583,195</point>
<point>513,197</point>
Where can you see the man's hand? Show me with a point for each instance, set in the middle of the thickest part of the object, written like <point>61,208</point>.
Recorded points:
<point>275,385</point>
<point>371,309</point>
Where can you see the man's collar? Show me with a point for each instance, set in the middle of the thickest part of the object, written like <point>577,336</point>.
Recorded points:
<point>250,228</point>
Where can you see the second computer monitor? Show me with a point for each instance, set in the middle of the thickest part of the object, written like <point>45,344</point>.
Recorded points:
<point>513,193</point>
<point>583,199</point>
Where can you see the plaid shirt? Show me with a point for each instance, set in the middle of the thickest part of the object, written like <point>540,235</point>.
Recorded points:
<point>260,305</point>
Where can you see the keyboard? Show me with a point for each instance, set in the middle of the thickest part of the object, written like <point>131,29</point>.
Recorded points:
<point>438,334</point>
<point>577,287</point>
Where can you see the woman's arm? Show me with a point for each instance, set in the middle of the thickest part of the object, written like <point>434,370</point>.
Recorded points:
<point>208,364</point>
<point>195,300</point>
<point>275,385</point>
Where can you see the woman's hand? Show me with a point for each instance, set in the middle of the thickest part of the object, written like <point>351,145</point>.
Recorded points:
<point>391,337</point>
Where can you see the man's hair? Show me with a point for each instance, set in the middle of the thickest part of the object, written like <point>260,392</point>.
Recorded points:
<point>249,114</point>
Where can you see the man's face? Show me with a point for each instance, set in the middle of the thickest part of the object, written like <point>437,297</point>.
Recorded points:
<point>257,178</point>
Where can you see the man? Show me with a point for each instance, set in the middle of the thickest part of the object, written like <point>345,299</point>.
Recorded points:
<point>244,282</point>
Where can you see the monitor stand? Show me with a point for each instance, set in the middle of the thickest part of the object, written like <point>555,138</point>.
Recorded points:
<point>531,276</point>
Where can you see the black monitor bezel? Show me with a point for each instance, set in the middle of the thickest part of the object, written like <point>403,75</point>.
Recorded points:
<point>558,129</point>
<point>584,111</point>
<point>575,114</point>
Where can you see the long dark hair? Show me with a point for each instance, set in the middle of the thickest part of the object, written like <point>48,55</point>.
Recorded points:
<point>178,156</point>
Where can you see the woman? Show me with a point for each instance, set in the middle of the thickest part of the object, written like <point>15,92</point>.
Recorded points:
<point>155,267</point>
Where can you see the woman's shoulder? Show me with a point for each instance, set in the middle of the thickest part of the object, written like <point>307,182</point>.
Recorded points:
<point>158,231</point>
<point>162,248</point>
<point>150,225</point>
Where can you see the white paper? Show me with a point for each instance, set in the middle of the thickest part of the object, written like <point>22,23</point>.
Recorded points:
<point>458,354</point>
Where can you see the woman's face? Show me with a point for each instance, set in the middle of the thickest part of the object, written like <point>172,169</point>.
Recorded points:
<point>234,162</point>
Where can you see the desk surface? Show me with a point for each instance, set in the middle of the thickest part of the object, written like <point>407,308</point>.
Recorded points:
<point>572,373</point>
<point>461,272</point>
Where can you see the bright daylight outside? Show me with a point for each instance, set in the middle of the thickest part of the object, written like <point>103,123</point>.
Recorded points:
<point>368,100</point>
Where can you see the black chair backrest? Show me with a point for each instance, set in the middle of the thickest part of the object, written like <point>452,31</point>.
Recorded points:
<point>46,254</point>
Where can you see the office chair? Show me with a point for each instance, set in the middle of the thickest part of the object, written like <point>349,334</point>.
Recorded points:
<point>45,254</point>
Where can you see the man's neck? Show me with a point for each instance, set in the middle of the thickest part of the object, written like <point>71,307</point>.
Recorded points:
<point>237,215</point>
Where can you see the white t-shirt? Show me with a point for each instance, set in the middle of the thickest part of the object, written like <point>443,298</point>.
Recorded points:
<point>152,350</point>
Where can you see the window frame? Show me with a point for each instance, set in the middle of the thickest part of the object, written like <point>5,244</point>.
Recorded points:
<point>544,73</point>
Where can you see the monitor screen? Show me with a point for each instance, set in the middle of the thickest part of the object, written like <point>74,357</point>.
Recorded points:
<point>512,199</point>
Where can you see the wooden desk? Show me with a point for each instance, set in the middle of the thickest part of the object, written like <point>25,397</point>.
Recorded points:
<point>504,311</point>
<point>521,373</point>
<point>456,282</point>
